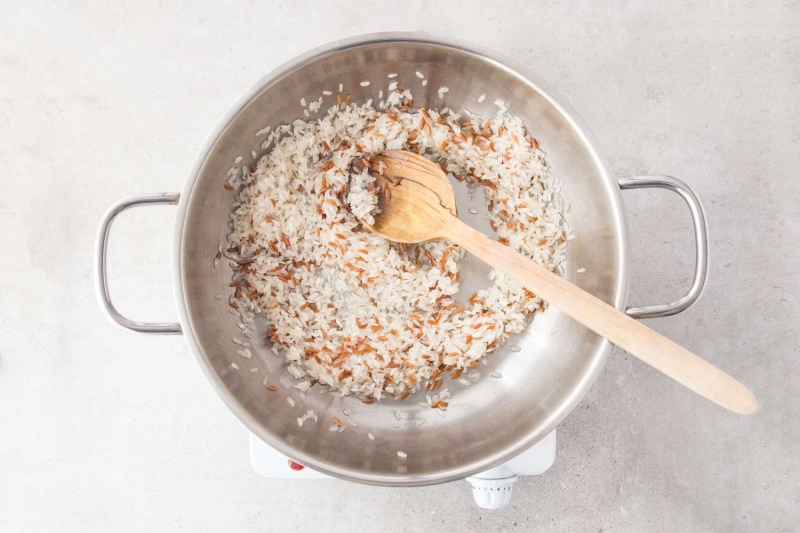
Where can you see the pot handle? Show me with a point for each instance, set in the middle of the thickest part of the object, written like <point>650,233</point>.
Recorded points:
<point>100,277</point>
<point>700,239</point>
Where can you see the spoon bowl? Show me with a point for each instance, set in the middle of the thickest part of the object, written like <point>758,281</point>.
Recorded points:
<point>420,202</point>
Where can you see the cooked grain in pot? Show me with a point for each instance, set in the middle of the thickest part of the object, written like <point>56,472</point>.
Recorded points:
<point>350,310</point>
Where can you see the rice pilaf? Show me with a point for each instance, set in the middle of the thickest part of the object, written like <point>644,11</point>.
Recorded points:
<point>350,310</point>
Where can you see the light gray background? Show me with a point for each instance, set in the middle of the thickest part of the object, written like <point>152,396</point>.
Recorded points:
<point>103,430</point>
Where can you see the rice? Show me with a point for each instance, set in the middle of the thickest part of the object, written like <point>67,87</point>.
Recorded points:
<point>348,309</point>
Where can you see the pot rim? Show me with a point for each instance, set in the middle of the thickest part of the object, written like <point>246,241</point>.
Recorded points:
<point>601,352</point>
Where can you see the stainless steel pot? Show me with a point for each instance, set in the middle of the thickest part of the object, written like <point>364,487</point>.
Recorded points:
<point>487,423</point>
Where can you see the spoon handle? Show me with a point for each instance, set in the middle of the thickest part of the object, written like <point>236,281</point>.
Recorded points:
<point>635,338</point>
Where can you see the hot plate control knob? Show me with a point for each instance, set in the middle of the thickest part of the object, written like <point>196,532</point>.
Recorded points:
<point>492,493</point>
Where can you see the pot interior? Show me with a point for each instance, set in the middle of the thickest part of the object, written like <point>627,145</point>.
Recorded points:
<point>488,422</point>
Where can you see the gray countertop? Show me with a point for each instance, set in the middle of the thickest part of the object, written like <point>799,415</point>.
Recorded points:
<point>104,430</point>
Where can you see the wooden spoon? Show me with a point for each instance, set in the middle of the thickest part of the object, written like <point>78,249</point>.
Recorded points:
<point>420,206</point>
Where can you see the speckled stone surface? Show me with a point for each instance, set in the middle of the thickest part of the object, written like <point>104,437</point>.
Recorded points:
<point>102,430</point>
